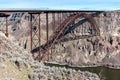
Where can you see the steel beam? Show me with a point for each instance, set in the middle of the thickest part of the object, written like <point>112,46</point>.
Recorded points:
<point>50,11</point>
<point>31,33</point>
<point>47,34</point>
<point>53,29</point>
<point>39,36</point>
<point>53,21</point>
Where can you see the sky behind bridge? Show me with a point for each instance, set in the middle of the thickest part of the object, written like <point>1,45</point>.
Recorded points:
<point>61,4</point>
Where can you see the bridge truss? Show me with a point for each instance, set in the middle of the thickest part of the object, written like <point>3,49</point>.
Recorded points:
<point>61,24</point>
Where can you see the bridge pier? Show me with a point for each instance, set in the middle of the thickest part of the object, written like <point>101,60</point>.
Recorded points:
<point>35,32</point>
<point>47,35</point>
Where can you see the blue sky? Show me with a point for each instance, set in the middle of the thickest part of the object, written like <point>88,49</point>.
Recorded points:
<point>61,4</point>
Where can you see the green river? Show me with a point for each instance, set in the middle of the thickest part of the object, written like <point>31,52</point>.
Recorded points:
<point>103,72</point>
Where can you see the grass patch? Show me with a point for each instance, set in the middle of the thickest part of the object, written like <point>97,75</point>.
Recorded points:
<point>11,71</point>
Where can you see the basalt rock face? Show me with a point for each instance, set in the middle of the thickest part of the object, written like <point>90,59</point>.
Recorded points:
<point>100,50</point>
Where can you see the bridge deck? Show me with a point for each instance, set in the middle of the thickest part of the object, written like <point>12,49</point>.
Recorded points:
<point>49,11</point>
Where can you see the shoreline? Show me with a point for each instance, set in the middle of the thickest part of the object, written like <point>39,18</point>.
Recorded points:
<point>112,66</point>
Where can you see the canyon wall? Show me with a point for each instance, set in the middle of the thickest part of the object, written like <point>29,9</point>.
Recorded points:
<point>97,50</point>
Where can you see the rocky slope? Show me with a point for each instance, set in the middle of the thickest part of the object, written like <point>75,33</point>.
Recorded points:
<point>17,64</point>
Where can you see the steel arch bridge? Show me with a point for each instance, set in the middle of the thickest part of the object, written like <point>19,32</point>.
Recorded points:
<point>61,30</point>
<point>60,27</point>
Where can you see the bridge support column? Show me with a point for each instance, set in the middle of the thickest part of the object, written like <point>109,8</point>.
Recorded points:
<point>47,35</point>
<point>35,33</point>
<point>39,36</point>
<point>53,30</point>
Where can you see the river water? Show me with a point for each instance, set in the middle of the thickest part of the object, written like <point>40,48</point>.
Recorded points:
<point>104,73</point>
